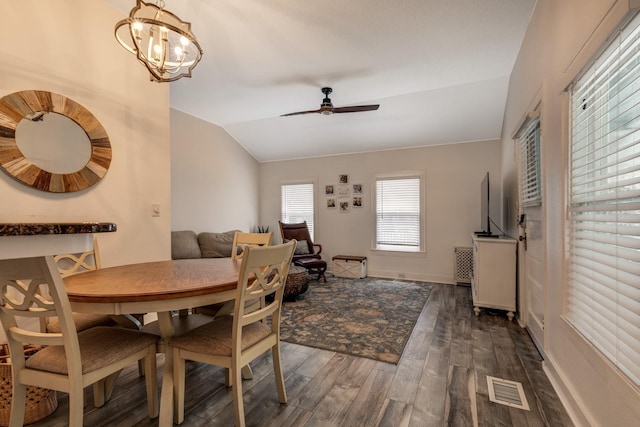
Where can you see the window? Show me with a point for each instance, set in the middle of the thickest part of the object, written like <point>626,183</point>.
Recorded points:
<point>398,213</point>
<point>529,169</point>
<point>603,299</point>
<point>297,204</point>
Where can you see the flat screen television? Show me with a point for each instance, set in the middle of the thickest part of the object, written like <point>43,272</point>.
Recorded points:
<point>485,213</point>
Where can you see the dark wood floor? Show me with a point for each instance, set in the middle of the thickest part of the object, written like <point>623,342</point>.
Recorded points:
<point>440,380</point>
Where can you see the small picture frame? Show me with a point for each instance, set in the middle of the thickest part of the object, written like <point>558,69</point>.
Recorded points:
<point>343,179</point>
<point>343,191</point>
<point>331,203</point>
<point>357,202</point>
<point>357,188</point>
<point>328,190</point>
<point>344,206</point>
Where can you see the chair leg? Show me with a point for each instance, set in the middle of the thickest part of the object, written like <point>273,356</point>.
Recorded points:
<point>238,403</point>
<point>228,381</point>
<point>76,405</point>
<point>178,386</point>
<point>99,393</point>
<point>247,373</point>
<point>103,389</point>
<point>19,399</point>
<point>279,374</point>
<point>151,381</point>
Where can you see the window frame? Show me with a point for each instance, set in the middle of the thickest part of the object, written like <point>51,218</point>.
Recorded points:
<point>420,174</point>
<point>528,140</point>
<point>610,253</point>
<point>302,181</point>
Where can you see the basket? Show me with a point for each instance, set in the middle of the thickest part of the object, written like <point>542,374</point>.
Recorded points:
<point>297,282</point>
<point>40,402</point>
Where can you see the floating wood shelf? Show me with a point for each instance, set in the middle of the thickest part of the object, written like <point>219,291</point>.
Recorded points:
<point>38,229</point>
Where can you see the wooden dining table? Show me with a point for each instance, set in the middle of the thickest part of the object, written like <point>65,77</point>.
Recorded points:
<point>160,287</point>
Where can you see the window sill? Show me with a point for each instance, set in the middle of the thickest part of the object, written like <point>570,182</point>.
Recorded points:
<point>397,251</point>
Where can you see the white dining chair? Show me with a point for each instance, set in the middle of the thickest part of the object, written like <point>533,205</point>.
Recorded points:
<point>32,288</point>
<point>240,241</point>
<point>234,341</point>
<point>76,263</point>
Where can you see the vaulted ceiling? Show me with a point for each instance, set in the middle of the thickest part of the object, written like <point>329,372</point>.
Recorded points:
<point>438,68</point>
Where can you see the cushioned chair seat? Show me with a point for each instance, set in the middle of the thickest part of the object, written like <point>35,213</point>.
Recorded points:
<point>100,346</point>
<point>83,322</point>
<point>215,337</point>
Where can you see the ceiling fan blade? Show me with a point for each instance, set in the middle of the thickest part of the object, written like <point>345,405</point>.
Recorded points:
<point>300,112</point>
<point>356,108</point>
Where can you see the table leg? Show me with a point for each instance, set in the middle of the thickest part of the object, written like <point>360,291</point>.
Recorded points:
<point>166,403</point>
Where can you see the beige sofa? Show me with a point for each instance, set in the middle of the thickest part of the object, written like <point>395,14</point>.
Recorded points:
<point>186,244</point>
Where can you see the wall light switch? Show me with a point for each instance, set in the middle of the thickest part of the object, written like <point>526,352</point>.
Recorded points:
<point>155,209</point>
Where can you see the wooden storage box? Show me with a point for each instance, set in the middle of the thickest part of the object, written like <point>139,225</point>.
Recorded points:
<point>350,267</point>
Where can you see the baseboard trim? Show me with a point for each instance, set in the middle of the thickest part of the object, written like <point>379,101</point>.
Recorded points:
<point>571,405</point>
<point>446,280</point>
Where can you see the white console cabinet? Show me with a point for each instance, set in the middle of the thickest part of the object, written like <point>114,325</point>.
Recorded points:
<point>493,278</point>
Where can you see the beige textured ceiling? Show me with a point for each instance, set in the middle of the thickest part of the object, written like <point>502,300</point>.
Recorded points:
<point>438,68</point>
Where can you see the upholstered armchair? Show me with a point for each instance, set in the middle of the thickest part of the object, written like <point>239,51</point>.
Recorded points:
<point>307,253</point>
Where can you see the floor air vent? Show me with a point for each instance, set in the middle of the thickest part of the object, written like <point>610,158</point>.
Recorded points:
<point>507,392</point>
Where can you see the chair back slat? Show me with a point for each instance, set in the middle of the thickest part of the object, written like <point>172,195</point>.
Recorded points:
<point>70,264</point>
<point>240,240</point>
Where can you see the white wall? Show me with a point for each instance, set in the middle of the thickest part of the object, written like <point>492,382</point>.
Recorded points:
<point>453,176</point>
<point>214,181</point>
<point>68,47</point>
<point>555,48</point>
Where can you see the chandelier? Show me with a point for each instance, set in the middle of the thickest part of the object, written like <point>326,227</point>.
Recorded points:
<point>160,40</point>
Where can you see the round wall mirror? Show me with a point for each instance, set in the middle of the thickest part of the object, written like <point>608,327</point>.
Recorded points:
<point>51,143</point>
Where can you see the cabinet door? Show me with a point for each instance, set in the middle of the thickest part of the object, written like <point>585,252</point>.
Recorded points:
<point>495,278</point>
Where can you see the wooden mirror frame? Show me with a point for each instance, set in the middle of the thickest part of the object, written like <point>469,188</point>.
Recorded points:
<point>25,105</point>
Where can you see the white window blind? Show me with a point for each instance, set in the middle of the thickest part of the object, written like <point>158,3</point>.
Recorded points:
<point>297,204</point>
<point>529,172</point>
<point>398,213</point>
<point>604,212</point>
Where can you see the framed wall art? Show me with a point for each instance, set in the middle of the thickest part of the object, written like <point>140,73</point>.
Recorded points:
<point>343,191</point>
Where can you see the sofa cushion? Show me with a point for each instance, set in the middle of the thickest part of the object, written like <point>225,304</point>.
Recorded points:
<point>216,245</point>
<point>184,245</point>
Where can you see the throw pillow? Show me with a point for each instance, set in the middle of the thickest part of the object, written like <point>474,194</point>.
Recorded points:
<point>216,245</point>
<point>302,248</point>
<point>184,245</point>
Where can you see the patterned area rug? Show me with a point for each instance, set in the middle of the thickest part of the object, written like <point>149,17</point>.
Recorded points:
<point>370,317</point>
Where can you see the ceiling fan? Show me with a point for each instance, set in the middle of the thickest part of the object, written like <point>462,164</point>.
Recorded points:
<point>327,107</point>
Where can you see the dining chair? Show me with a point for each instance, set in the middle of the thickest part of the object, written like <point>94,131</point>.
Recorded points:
<point>32,288</point>
<point>76,263</point>
<point>234,341</point>
<point>240,241</point>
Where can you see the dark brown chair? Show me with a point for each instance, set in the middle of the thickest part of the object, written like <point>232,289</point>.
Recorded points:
<point>307,253</point>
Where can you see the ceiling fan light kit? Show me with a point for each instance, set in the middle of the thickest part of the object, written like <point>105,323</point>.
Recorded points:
<point>327,108</point>
<point>160,40</point>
